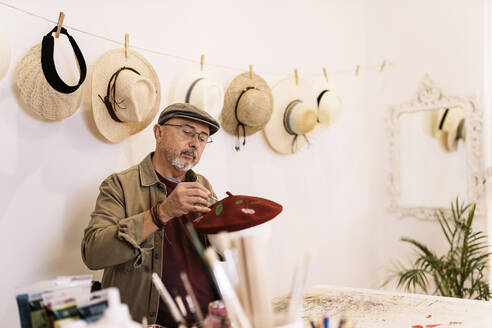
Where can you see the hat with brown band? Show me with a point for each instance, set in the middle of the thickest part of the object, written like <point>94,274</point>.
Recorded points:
<point>293,116</point>
<point>40,86</point>
<point>126,94</point>
<point>248,106</point>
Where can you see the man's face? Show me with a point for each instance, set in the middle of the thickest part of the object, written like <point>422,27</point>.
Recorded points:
<point>177,145</point>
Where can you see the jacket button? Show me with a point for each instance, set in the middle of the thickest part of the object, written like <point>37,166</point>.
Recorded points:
<point>151,313</point>
<point>156,256</point>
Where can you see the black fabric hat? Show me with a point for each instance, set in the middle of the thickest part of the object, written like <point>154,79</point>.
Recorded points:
<point>191,112</point>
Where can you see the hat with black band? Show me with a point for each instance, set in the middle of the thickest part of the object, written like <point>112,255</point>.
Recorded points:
<point>48,63</point>
<point>41,88</point>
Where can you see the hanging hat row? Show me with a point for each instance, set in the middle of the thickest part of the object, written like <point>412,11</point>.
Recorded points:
<point>286,114</point>
<point>126,96</point>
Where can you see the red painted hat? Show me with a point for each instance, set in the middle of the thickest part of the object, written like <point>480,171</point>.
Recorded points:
<point>237,212</point>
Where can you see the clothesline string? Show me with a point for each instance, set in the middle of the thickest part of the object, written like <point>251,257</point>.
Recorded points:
<point>336,72</point>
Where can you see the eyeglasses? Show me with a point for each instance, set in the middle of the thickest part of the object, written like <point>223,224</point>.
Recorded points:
<point>190,132</point>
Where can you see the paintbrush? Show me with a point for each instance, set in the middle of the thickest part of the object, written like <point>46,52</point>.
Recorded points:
<point>298,285</point>
<point>166,297</point>
<point>223,242</point>
<point>199,248</point>
<point>234,309</point>
<point>193,304</point>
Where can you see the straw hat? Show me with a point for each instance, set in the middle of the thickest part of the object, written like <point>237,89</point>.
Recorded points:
<point>199,88</point>
<point>4,53</point>
<point>248,106</point>
<point>134,94</point>
<point>329,104</point>
<point>293,116</point>
<point>40,86</point>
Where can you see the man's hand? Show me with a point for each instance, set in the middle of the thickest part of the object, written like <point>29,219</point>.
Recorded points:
<point>186,197</point>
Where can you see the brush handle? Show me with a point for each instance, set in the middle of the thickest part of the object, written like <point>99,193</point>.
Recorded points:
<point>166,297</point>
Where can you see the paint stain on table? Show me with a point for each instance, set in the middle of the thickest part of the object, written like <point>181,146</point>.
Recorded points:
<point>437,325</point>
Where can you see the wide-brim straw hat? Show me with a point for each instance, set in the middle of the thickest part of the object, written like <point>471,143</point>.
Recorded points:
<point>108,64</point>
<point>302,119</point>
<point>199,88</point>
<point>4,53</point>
<point>254,100</point>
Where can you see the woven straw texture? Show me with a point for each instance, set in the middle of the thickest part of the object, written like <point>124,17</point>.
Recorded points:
<point>255,106</point>
<point>38,95</point>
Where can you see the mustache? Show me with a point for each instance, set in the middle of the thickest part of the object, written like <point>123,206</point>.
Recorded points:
<point>188,151</point>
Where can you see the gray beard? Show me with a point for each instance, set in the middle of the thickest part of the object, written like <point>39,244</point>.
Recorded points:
<point>179,165</point>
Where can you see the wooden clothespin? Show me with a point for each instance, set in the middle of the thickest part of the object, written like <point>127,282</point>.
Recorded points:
<point>127,44</point>
<point>325,74</point>
<point>383,65</point>
<point>202,59</point>
<point>251,72</point>
<point>60,23</point>
<point>357,69</point>
<point>296,74</point>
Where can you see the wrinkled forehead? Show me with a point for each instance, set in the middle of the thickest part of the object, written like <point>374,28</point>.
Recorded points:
<point>199,126</point>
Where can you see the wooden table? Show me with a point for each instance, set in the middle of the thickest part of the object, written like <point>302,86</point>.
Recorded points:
<point>377,309</point>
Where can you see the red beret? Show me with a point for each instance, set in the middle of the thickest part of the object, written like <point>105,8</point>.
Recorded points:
<point>237,212</point>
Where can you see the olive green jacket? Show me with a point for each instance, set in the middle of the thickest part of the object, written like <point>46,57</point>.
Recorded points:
<point>112,240</point>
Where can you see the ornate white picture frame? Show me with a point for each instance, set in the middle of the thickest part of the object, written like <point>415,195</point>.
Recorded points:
<point>429,97</point>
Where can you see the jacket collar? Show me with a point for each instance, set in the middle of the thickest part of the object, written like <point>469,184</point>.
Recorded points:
<point>148,176</point>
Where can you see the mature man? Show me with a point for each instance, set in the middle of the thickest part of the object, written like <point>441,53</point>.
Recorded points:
<point>140,215</point>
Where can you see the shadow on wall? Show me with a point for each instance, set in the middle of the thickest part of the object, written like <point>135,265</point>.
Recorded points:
<point>86,106</point>
<point>64,255</point>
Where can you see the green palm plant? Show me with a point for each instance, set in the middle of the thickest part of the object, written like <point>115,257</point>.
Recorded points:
<point>462,272</point>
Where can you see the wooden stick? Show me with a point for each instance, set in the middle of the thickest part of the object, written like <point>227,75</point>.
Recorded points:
<point>382,66</point>
<point>243,283</point>
<point>325,74</point>
<point>357,68</point>
<point>233,306</point>
<point>202,59</point>
<point>251,72</point>
<point>127,42</point>
<point>166,297</point>
<point>60,23</point>
<point>259,287</point>
<point>297,288</point>
<point>296,73</point>
<point>191,294</point>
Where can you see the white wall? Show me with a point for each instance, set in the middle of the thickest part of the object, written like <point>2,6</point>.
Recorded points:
<point>334,192</point>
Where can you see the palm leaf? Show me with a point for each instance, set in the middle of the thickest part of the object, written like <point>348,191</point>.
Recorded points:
<point>461,272</point>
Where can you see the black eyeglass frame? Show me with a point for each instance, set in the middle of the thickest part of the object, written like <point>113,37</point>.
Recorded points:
<point>191,134</point>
